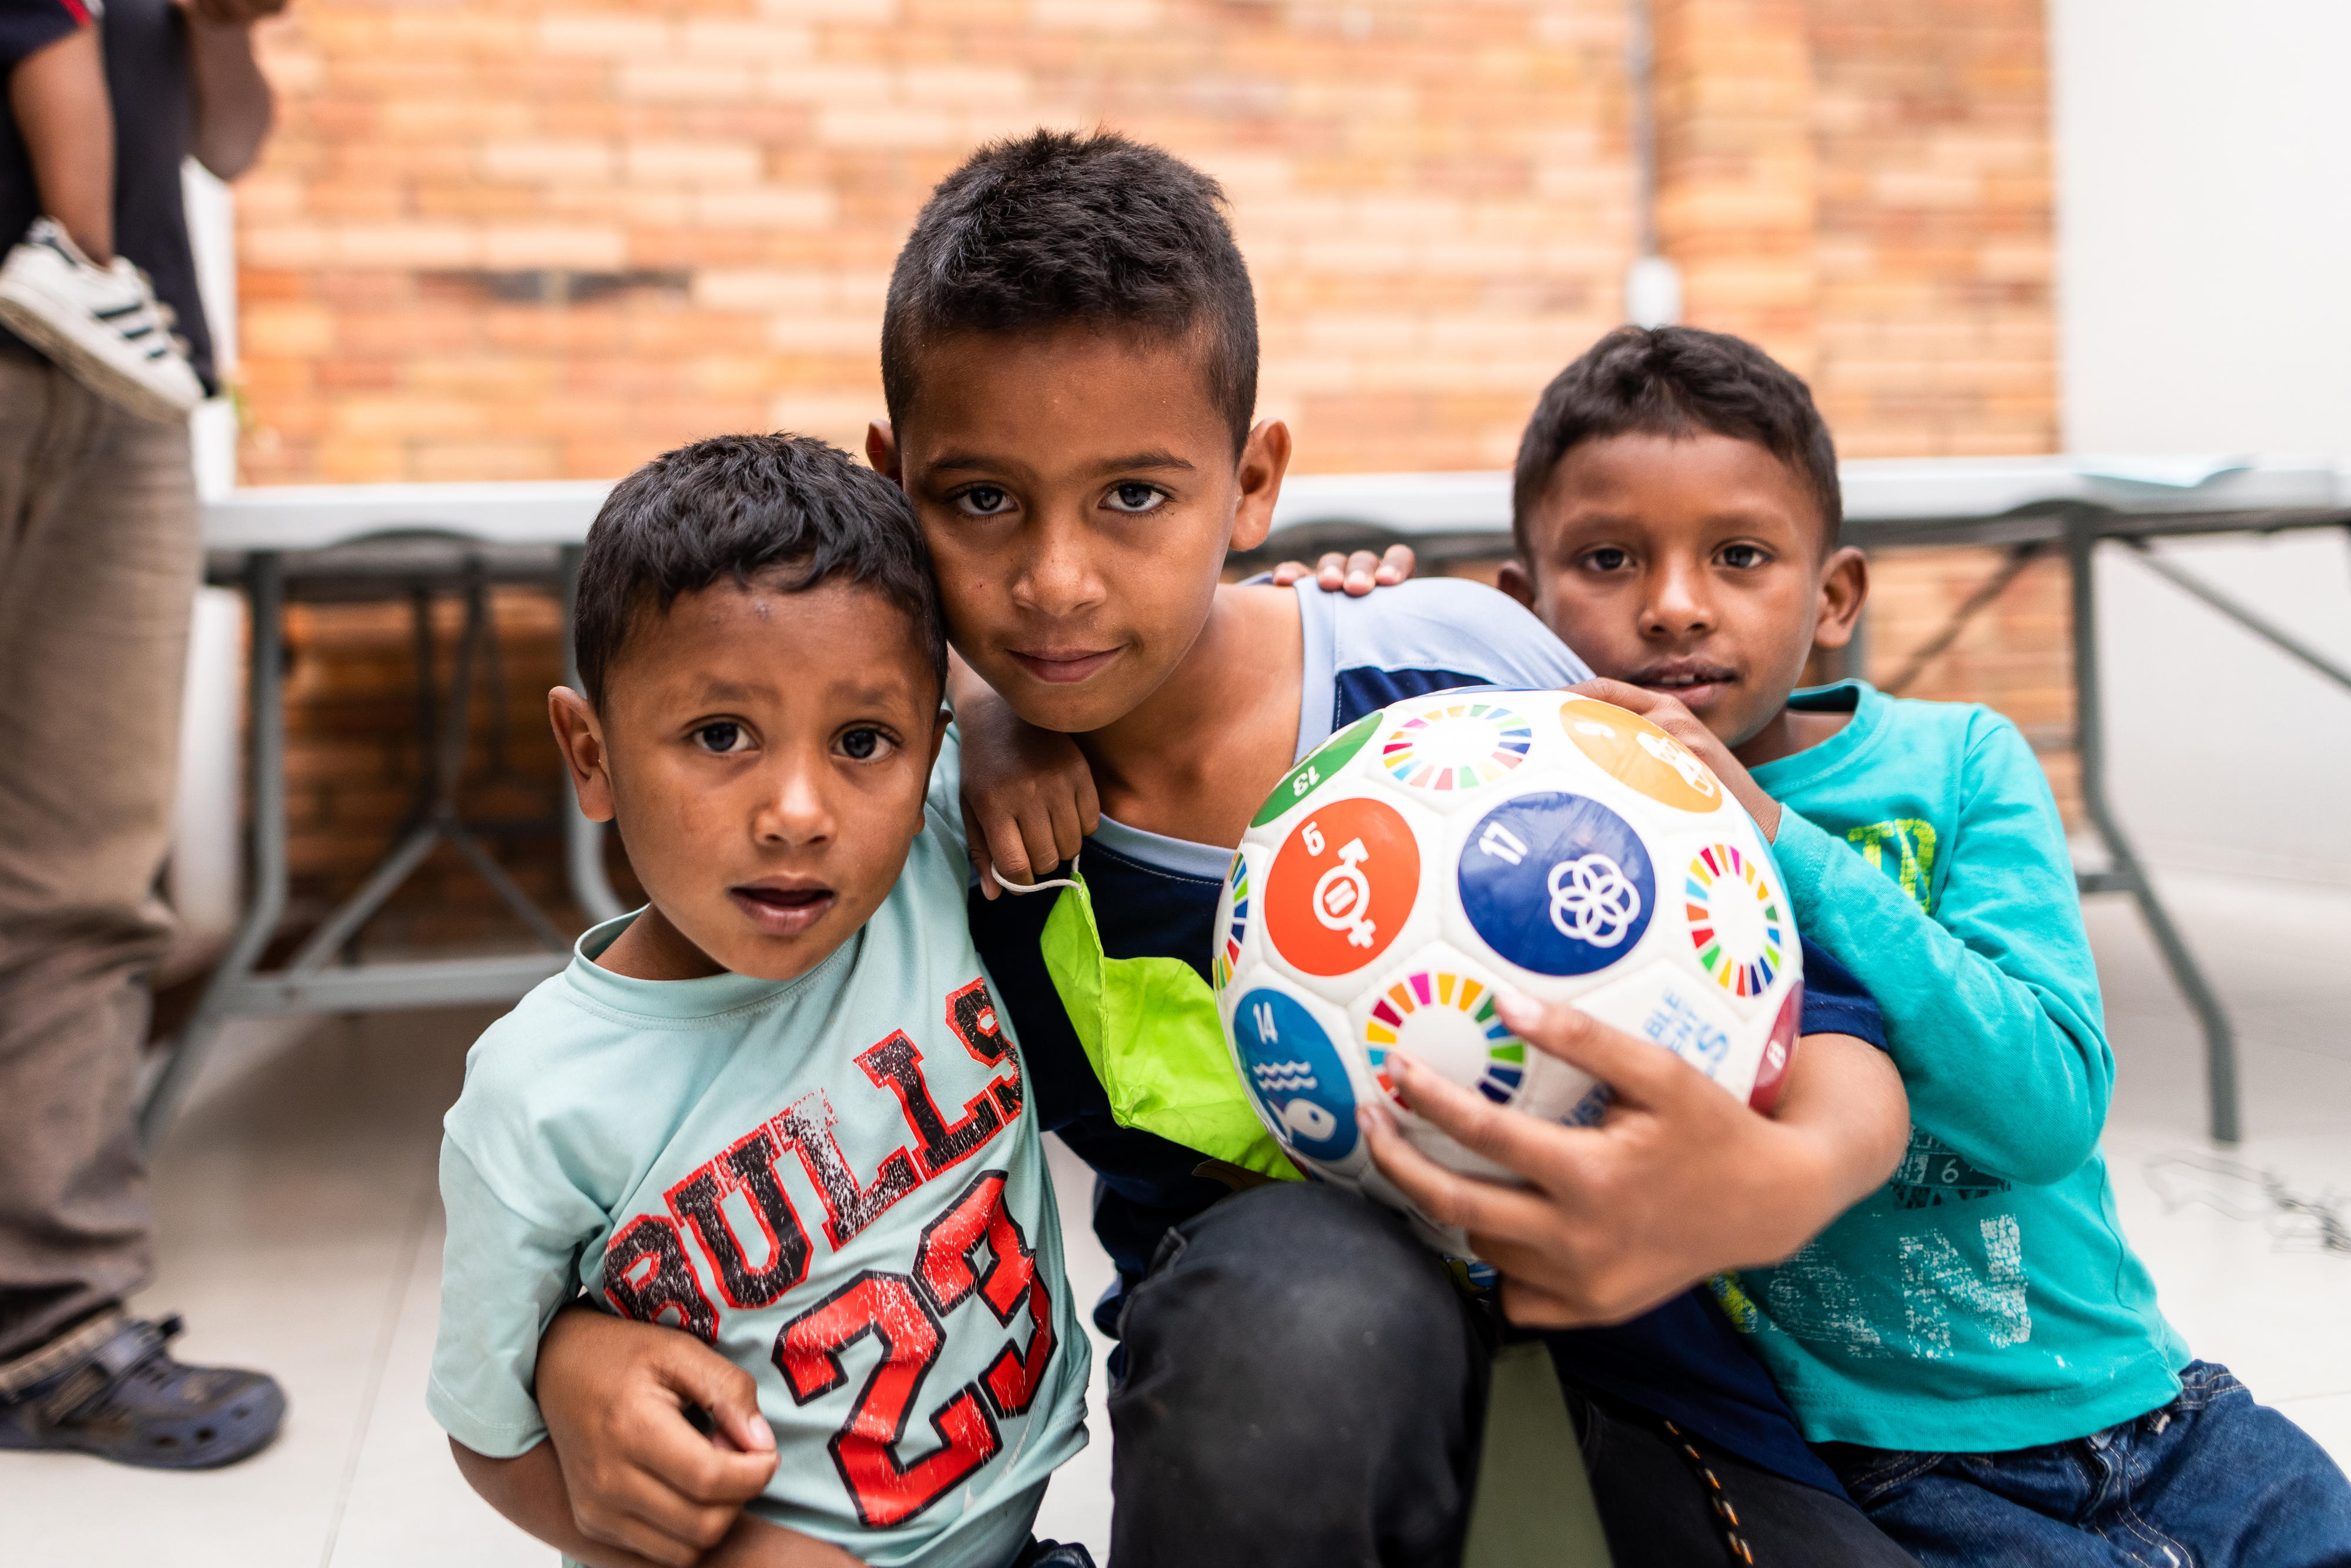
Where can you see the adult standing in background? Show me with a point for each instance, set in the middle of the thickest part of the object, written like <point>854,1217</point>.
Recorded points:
<point>98,553</point>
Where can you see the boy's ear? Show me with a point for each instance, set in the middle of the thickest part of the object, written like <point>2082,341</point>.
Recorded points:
<point>881,451</point>
<point>1844,587</point>
<point>580,739</point>
<point>1516,580</point>
<point>939,733</point>
<point>1264,458</point>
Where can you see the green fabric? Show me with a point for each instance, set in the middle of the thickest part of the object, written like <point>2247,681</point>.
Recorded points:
<point>1150,1031</point>
<point>1533,1507</point>
<point>1984,1298</point>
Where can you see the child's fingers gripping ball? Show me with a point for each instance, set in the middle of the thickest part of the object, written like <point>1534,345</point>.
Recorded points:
<point>1451,847</point>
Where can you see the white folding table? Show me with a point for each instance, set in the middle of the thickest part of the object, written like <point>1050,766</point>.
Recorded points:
<point>349,541</point>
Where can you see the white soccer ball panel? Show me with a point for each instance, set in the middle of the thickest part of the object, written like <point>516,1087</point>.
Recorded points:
<point>1440,1010</point>
<point>1662,1003</point>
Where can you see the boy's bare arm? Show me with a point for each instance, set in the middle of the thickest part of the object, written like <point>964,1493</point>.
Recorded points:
<point>1678,1181</point>
<point>635,1473</point>
<point>234,105</point>
<point>528,1490</point>
<point>57,94</point>
<point>1029,798</point>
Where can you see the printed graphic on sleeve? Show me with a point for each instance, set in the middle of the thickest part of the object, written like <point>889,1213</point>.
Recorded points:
<point>1641,755</point>
<point>1557,883</point>
<point>1933,1174</point>
<point>1913,843</point>
<point>1291,1068</point>
<point>1341,886</point>
<point>1458,746</point>
<point>1446,1020</point>
<point>1228,951</point>
<point>1321,763</point>
<point>1735,924</point>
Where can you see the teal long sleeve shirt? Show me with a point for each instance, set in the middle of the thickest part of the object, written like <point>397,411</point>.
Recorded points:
<point>1985,1298</point>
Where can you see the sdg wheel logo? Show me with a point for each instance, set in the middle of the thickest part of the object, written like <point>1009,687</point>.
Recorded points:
<point>1341,886</point>
<point>1462,746</point>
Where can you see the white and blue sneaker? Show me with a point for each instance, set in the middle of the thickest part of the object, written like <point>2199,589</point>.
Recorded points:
<point>102,325</point>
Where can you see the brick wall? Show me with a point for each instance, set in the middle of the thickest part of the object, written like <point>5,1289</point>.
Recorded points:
<point>539,238</point>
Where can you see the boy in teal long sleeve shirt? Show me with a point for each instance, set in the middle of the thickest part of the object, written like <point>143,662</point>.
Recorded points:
<point>1994,1253</point>
<point>1975,1346</point>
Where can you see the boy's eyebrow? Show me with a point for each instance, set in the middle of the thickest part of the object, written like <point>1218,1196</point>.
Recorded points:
<point>1152,459</point>
<point>848,688</point>
<point>982,463</point>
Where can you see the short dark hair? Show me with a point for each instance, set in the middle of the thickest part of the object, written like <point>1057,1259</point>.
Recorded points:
<point>740,506</point>
<point>1675,382</point>
<point>1055,228</point>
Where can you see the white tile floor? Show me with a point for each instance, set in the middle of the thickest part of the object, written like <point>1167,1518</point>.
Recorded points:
<point>300,1232</point>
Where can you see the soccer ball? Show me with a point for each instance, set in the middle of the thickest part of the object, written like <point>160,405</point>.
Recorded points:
<point>1450,845</point>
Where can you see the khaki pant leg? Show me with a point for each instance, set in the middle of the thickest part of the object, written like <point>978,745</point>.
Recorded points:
<point>98,553</point>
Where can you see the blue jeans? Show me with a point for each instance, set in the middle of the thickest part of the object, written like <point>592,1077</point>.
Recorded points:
<point>2209,1481</point>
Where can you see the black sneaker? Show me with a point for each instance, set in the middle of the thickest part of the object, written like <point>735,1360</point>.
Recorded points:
<point>110,1388</point>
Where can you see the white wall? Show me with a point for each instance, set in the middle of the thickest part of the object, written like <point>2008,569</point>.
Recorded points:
<point>2204,217</point>
<point>212,236</point>
<point>204,877</point>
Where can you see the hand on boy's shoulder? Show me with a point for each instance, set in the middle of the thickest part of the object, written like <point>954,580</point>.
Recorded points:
<point>1355,575</point>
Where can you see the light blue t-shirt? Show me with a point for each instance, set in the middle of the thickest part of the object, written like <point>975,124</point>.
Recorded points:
<point>835,1181</point>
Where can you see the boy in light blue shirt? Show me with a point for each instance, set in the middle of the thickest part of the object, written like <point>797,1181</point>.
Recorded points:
<point>1974,1347</point>
<point>776,1108</point>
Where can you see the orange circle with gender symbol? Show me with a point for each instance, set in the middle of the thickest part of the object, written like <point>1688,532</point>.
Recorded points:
<point>1341,886</point>
<point>1630,748</point>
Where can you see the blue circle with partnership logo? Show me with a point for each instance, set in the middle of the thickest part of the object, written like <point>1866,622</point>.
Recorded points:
<point>1300,1082</point>
<point>1557,883</point>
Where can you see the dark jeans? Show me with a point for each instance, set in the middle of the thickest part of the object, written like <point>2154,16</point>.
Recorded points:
<point>2211,1479</point>
<point>1305,1386</point>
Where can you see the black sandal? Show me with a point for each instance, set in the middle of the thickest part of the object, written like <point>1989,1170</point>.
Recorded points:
<point>108,1387</point>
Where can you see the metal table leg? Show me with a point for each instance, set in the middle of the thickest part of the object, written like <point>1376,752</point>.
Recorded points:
<point>441,769</point>
<point>264,598</point>
<point>2127,874</point>
<point>584,841</point>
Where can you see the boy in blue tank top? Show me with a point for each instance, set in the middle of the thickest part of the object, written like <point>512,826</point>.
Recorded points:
<point>1974,1347</point>
<point>775,1109</point>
